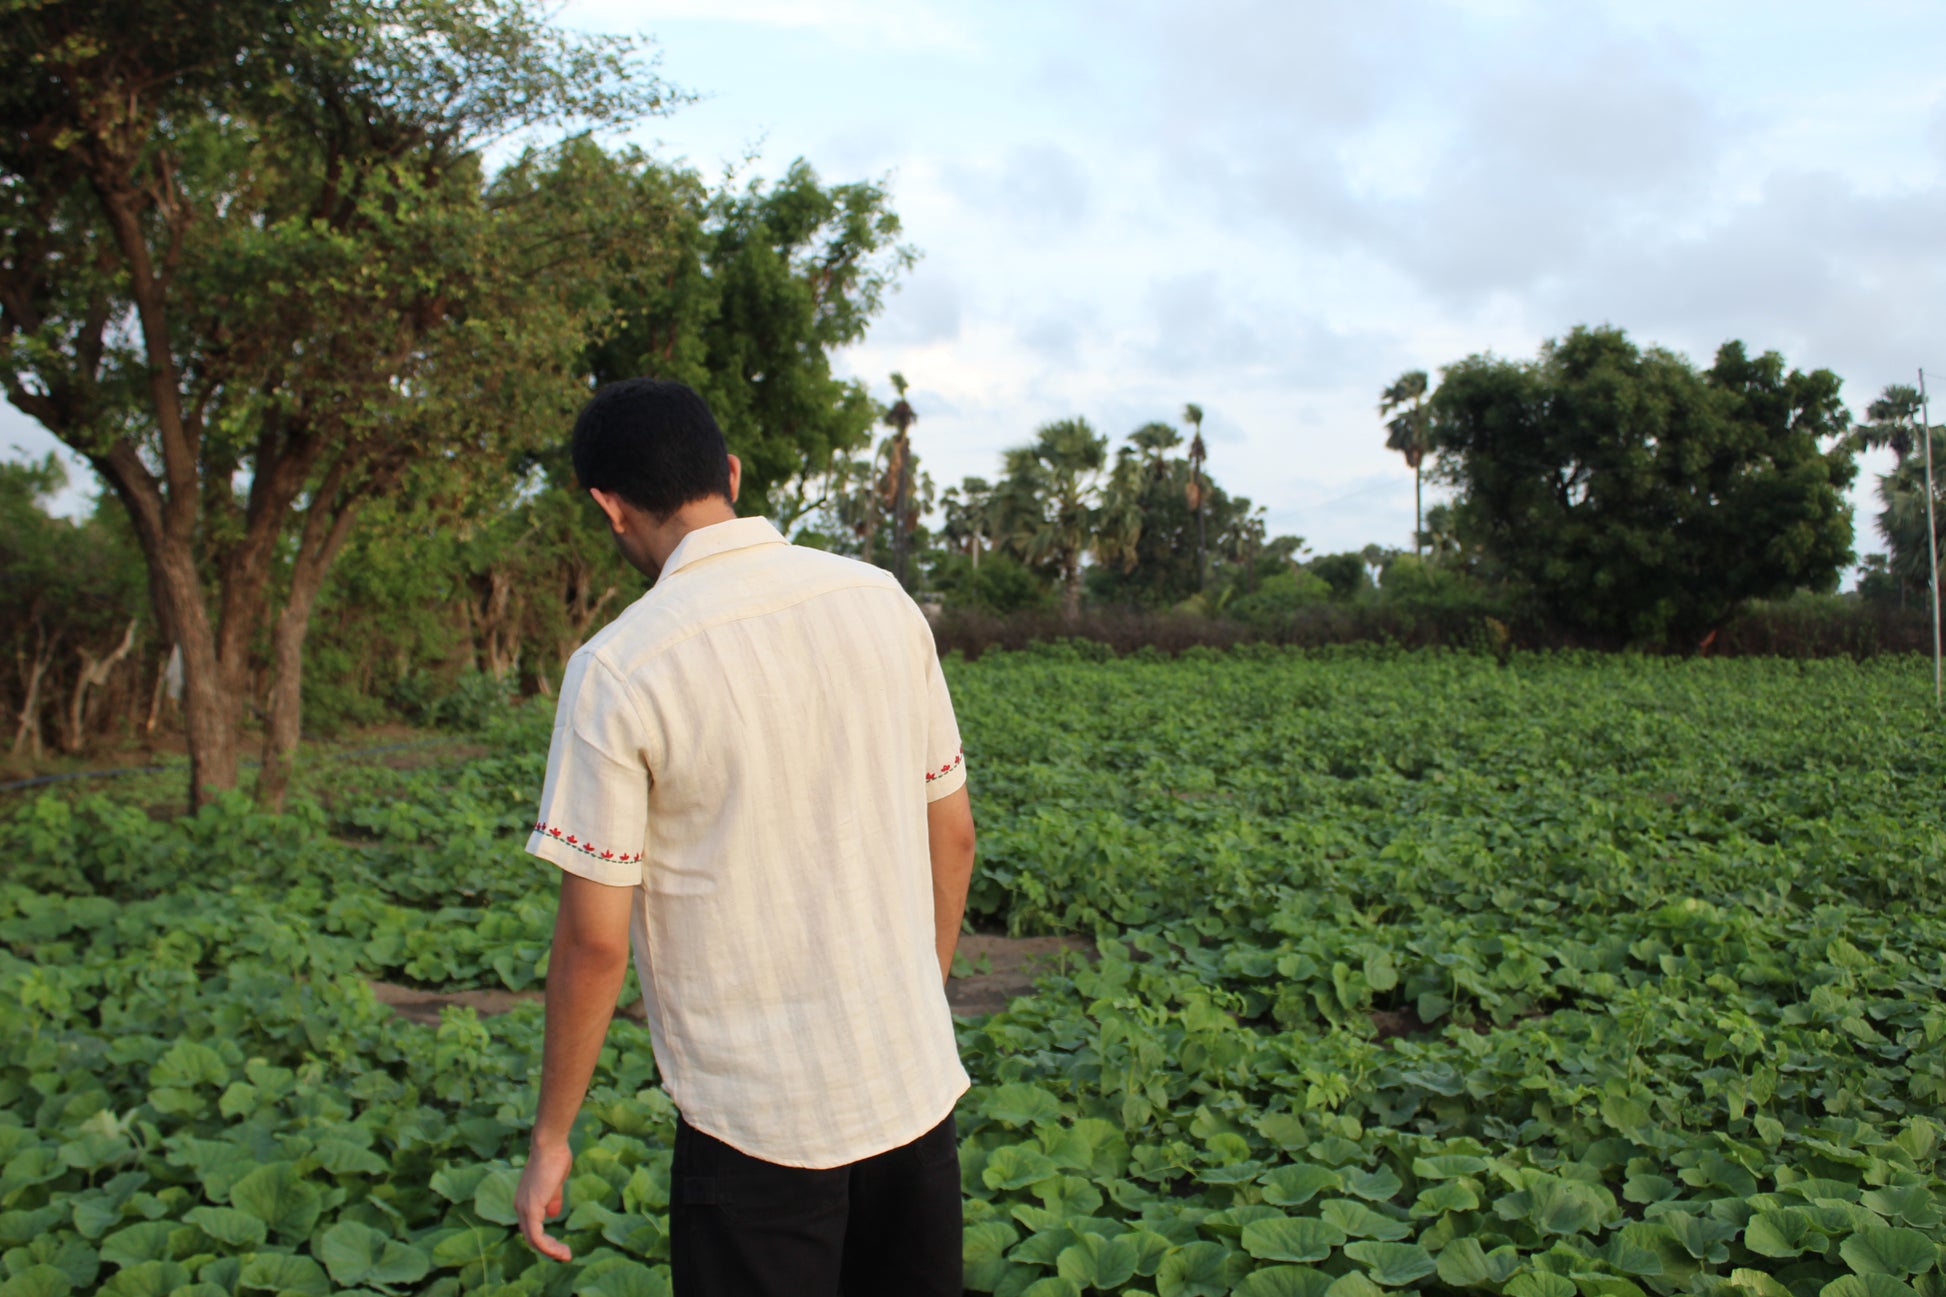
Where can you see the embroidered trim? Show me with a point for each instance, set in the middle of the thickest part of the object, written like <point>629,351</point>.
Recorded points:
<point>585,848</point>
<point>948,768</point>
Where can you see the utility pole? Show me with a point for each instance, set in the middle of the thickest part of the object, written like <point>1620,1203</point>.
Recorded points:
<point>1932,538</point>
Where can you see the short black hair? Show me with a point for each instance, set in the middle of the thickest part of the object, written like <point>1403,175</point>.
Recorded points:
<point>654,443</point>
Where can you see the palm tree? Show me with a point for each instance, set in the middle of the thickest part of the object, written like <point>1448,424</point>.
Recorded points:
<point>1903,519</point>
<point>1192,414</point>
<point>1118,523</point>
<point>969,508</point>
<point>1068,455</point>
<point>1408,432</point>
<point>900,416</point>
<point>1894,422</point>
<point>1155,441</point>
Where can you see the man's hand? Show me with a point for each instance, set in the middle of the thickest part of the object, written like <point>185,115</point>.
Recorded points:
<point>949,837</point>
<point>538,1198</point>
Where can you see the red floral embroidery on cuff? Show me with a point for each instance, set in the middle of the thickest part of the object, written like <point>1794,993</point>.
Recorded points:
<point>586,849</point>
<point>949,767</point>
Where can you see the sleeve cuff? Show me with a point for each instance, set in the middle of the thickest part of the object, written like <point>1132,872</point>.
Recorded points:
<point>619,872</point>
<point>946,778</point>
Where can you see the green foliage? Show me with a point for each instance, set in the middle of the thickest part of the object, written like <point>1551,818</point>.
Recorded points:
<point>1566,975</point>
<point>772,279</point>
<point>1638,498</point>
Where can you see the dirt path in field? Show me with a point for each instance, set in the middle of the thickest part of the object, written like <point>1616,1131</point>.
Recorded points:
<point>1004,967</point>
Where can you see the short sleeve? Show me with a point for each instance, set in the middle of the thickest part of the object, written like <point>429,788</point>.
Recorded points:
<point>593,818</point>
<point>945,757</point>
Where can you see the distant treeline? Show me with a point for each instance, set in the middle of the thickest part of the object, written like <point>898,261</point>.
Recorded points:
<point>321,350</point>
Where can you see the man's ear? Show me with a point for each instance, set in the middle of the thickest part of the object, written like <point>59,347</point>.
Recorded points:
<point>736,477</point>
<point>613,506</point>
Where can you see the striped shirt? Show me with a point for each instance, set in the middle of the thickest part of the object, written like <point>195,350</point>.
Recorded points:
<point>751,746</point>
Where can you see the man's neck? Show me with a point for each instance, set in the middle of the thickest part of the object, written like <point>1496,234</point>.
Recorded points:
<point>693,516</point>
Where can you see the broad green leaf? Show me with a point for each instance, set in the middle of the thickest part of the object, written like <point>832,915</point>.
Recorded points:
<point>1451,1195</point>
<point>148,1241</point>
<point>1288,1238</point>
<point>1373,1186</point>
<point>1447,1166</point>
<point>1911,1203</point>
<point>1649,1188</point>
<point>1888,1250</point>
<point>1150,1248</point>
<point>1051,1286</point>
<point>283,1273</point>
<point>1021,1105</point>
<point>1095,1262</point>
<point>1354,1284</point>
<point>457,1183</point>
<point>1463,1263</point>
<point>1293,1186</point>
<point>358,1254</point>
<point>1755,1283</point>
<point>1015,1166</point>
<point>1284,1281</point>
<point>631,1279</point>
<point>1701,1236</point>
<point>1782,1234</point>
<point>1539,1283</point>
<point>1867,1285</point>
<point>1068,1195</point>
<point>1044,1246</point>
<point>1392,1265</point>
<point>37,1281</point>
<point>985,1253</point>
<point>151,1279</point>
<point>238,1229</point>
<point>494,1198</point>
<point>1359,1221</point>
<point>276,1195</point>
<point>342,1157</point>
<point>1195,1270</point>
<point>187,1064</point>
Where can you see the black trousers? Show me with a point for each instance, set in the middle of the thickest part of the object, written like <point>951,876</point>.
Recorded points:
<point>743,1227</point>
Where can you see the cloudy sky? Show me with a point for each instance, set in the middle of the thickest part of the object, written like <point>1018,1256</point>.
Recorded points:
<point>1274,209</point>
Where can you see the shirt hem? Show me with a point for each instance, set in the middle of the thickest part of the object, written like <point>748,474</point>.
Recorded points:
<point>821,1165</point>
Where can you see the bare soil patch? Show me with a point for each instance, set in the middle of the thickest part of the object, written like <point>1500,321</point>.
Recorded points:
<point>1005,967</point>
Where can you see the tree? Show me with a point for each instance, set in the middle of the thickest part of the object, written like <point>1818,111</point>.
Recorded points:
<point>968,524</point>
<point>1638,499</point>
<point>1408,432</point>
<point>69,594</point>
<point>1903,519</point>
<point>899,417</point>
<point>1894,422</point>
<point>774,278</point>
<point>1066,460</point>
<point>1194,490</point>
<point>251,267</point>
<point>1119,520</point>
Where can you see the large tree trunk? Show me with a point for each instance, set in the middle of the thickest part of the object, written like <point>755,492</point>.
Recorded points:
<point>212,698</point>
<point>326,526</point>
<point>1071,589</point>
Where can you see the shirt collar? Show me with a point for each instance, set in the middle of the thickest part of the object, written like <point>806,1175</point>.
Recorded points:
<point>720,538</point>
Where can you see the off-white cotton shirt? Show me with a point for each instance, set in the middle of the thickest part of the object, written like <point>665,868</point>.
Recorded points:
<point>751,746</point>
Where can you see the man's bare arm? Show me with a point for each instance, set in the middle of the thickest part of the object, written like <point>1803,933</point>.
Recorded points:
<point>584,977</point>
<point>949,834</point>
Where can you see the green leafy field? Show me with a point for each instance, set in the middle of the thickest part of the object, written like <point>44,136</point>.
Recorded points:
<point>1570,977</point>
